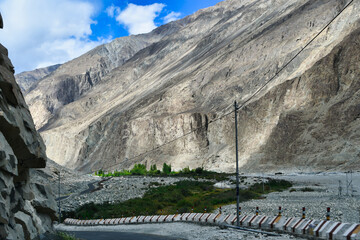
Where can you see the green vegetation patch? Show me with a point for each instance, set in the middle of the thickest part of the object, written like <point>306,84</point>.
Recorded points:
<point>65,236</point>
<point>140,170</point>
<point>183,196</point>
<point>307,189</point>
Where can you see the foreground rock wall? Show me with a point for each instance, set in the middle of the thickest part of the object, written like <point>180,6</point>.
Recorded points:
<point>27,209</point>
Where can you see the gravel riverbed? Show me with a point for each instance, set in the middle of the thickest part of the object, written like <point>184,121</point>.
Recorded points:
<point>326,190</point>
<point>344,207</point>
<point>117,189</point>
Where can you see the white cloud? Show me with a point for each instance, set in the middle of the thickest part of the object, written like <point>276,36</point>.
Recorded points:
<point>71,48</point>
<point>173,16</point>
<point>139,19</point>
<point>43,32</point>
<point>113,11</point>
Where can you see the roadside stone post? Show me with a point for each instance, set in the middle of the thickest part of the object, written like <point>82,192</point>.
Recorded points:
<point>303,213</point>
<point>279,212</point>
<point>328,214</point>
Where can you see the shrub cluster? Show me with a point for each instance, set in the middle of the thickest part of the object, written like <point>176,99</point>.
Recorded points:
<point>140,169</point>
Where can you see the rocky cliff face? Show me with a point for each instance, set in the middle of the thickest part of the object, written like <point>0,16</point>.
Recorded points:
<point>27,208</point>
<point>315,116</point>
<point>27,79</point>
<point>305,119</point>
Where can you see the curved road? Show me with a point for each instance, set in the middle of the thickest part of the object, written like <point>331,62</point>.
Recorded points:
<point>118,235</point>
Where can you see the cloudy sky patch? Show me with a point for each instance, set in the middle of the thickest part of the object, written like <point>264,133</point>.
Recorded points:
<point>173,16</point>
<point>139,19</point>
<point>40,33</point>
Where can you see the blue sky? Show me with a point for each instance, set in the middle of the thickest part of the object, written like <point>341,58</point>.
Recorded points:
<point>40,33</point>
<point>110,27</point>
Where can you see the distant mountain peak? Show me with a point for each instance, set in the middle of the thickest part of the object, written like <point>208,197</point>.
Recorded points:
<point>28,78</point>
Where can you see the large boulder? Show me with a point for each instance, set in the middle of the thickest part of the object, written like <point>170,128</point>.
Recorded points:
<point>27,224</point>
<point>42,202</point>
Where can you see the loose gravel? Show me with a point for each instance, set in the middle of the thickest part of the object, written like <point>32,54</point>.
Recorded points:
<point>344,202</point>
<point>329,190</point>
<point>344,207</point>
<point>114,190</point>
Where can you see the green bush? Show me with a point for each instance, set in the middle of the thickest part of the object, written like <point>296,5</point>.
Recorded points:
<point>138,169</point>
<point>153,170</point>
<point>99,173</point>
<point>307,189</point>
<point>65,236</point>
<point>199,170</point>
<point>166,169</point>
<point>272,185</point>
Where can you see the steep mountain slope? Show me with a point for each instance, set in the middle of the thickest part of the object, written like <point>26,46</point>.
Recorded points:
<point>190,78</point>
<point>73,79</point>
<point>318,116</point>
<point>28,78</point>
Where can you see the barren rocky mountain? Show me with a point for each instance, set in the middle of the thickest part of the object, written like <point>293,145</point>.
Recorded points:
<point>75,78</point>
<point>26,79</point>
<point>137,94</point>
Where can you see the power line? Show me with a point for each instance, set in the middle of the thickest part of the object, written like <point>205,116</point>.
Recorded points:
<point>246,101</point>
<point>292,59</point>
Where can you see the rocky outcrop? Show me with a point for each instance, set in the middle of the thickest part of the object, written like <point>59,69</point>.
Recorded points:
<point>190,77</point>
<point>25,211</point>
<point>27,79</point>
<point>315,117</point>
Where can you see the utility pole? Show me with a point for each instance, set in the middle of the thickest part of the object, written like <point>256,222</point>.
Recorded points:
<point>340,189</point>
<point>59,199</point>
<point>1,22</point>
<point>237,166</point>
<point>347,184</point>
<point>349,187</point>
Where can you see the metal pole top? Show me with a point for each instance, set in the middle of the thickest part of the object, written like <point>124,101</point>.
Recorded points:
<point>1,22</point>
